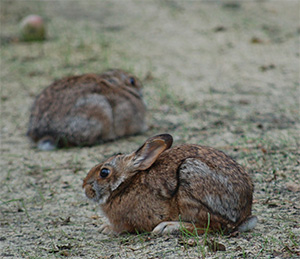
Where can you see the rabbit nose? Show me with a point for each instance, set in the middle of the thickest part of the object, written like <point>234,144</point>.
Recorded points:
<point>89,191</point>
<point>85,182</point>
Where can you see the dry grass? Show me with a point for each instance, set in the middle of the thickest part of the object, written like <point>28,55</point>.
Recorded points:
<point>225,75</point>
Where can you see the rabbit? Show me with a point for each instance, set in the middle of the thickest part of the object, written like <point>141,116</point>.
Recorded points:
<point>160,189</point>
<point>87,109</point>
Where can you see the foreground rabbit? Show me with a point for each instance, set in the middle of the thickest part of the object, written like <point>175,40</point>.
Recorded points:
<point>87,109</point>
<point>160,189</point>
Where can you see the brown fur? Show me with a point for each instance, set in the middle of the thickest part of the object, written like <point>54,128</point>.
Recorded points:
<point>88,109</point>
<point>155,184</point>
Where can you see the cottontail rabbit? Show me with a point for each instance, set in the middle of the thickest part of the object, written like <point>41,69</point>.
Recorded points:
<point>160,189</point>
<point>87,109</point>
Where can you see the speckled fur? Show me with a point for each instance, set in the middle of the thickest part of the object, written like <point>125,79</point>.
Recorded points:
<point>88,109</point>
<point>186,183</point>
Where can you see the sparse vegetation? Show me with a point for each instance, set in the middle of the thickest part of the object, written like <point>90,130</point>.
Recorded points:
<point>220,75</point>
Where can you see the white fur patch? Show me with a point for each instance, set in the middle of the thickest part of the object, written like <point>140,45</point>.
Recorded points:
<point>225,200</point>
<point>96,100</point>
<point>102,194</point>
<point>249,224</point>
<point>45,145</point>
<point>115,185</point>
<point>83,126</point>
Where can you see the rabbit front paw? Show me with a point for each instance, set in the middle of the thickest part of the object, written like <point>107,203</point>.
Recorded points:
<point>106,229</point>
<point>167,227</point>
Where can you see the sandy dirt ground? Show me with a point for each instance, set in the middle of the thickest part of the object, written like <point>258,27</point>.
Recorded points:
<point>223,74</point>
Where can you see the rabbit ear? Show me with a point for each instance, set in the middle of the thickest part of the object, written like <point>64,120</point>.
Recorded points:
<point>147,154</point>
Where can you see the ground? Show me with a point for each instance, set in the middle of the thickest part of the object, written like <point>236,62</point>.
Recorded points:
<point>223,74</point>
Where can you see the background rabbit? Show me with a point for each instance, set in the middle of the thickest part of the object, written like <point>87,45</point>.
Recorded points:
<point>87,109</point>
<point>158,188</point>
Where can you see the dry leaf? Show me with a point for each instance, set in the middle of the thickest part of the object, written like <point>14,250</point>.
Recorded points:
<point>215,246</point>
<point>244,102</point>
<point>220,28</point>
<point>61,221</point>
<point>272,205</point>
<point>94,217</point>
<point>264,150</point>
<point>291,250</point>
<point>256,40</point>
<point>190,242</point>
<point>267,67</point>
<point>234,234</point>
<point>65,253</point>
<point>293,187</point>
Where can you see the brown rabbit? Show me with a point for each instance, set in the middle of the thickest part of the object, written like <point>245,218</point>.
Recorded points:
<point>87,109</point>
<point>160,189</point>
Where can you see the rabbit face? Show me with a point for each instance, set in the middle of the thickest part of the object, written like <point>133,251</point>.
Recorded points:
<point>119,77</point>
<point>105,178</point>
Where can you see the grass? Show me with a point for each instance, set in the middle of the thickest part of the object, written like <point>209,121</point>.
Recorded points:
<point>249,114</point>
<point>193,239</point>
<point>204,243</point>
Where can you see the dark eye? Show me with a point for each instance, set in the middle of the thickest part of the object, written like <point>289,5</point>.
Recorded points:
<point>132,81</point>
<point>104,172</point>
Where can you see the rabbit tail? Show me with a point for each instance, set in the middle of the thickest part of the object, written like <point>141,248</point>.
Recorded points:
<point>248,224</point>
<point>46,144</point>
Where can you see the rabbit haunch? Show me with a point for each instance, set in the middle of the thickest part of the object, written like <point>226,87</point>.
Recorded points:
<point>157,186</point>
<point>87,110</point>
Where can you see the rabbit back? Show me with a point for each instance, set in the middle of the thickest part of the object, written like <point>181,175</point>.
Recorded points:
<point>227,198</point>
<point>204,180</point>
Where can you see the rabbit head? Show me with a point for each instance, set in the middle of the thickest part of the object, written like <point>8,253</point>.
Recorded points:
<point>120,77</point>
<point>105,178</point>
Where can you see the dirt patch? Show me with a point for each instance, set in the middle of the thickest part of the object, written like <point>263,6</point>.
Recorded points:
<point>224,75</point>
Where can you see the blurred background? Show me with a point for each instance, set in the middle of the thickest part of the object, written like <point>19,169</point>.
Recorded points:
<point>219,73</point>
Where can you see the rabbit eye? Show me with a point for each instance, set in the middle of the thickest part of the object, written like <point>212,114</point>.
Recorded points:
<point>132,81</point>
<point>104,172</point>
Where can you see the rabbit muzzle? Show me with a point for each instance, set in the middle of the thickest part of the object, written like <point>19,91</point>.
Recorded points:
<point>89,191</point>
<point>95,192</point>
